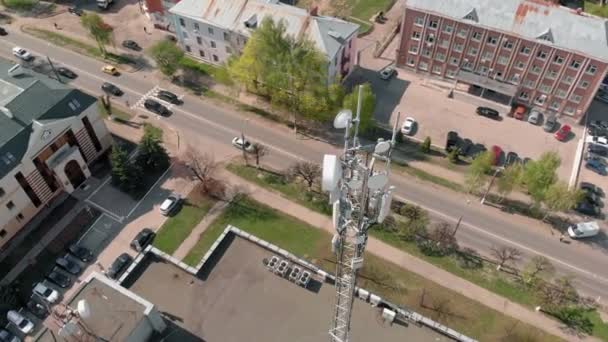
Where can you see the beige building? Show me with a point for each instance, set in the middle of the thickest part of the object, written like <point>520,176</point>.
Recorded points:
<point>49,134</point>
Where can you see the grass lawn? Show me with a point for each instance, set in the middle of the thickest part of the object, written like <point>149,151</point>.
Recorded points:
<point>178,227</point>
<point>219,74</point>
<point>119,114</point>
<point>595,9</point>
<point>75,45</point>
<point>378,275</point>
<point>365,9</point>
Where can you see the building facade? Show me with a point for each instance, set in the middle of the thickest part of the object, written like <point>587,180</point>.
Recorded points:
<point>535,53</point>
<point>49,134</point>
<point>214,30</point>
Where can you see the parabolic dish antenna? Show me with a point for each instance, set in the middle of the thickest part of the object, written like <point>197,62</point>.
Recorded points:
<point>382,147</point>
<point>343,119</point>
<point>84,310</point>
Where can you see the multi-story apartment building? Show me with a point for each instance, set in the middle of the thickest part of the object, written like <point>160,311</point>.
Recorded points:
<point>534,52</point>
<point>213,30</point>
<point>49,133</point>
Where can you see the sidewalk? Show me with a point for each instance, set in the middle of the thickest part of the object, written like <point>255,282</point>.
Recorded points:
<point>409,262</point>
<point>192,239</point>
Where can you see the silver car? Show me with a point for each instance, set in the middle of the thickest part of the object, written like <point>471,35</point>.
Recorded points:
<point>534,117</point>
<point>25,325</point>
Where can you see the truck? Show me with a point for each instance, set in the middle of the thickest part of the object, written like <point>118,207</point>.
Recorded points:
<point>104,4</point>
<point>583,230</point>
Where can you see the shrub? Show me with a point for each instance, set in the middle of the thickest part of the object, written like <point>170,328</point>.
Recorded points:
<point>21,5</point>
<point>575,319</point>
<point>425,147</point>
<point>453,155</point>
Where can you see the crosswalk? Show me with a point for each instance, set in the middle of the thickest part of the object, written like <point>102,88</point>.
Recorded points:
<point>152,93</point>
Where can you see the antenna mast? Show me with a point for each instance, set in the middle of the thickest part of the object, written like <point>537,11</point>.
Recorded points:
<point>360,196</point>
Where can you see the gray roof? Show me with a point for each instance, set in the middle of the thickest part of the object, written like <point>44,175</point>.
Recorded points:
<point>530,19</point>
<point>28,97</point>
<point>327,33</point>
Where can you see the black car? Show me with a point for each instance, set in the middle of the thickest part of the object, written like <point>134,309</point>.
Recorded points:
<point>155,107</point>
<point>597,131</point>
<point>59,278</point>
<point>7,336</point>
<point>129,44</point>
<point>587,208</point>
<point>512,158</point>
<point>465,147</point>
<point>119,265</point>
<point>597,149</point>
<point>593,199</point>
<point>3,31</point>
<point>76,11</point>
<point>168,96</point>
<point>68,265</point>
<point>488,112</point>
<point>36,308</point>
<point>142,239</point>
<point>452,140</point>
<point>588,187</point>
<point>66,72</point>
<point>112,89</point>
<point>83,254</point>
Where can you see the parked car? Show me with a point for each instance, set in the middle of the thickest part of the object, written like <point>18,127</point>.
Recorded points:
<point>534,117</point>
<point>111,89</point>
<point>602,96</point>
<point>452,140</point>
<point>598,150</point>
<point>388,72</point>
<point>25,325</point>
<point>600,140</point>
<point>119,265</point>
<point>596,167</point>
<point>110,69</point>
<point>22,54</point>
<point>68,265</point>
<point>519,112</point>
<point>65,72</point>
<point>170,204</point>
<point>168,96</point>
<point>512,158</point>
<point>46,293</point>
<point>593,198</point>
<point>7,336</point>
<point>59,278</point>
<point>550,124</point>
<point>76,11</point>
<point>82,253</point>
<point>586,208</point>
<point>408,126</point>
<point>156,107</point>
<point>142,239</point>
<point>36,308</point>
<point>3,31</point>
<point>589,187</point>
<point>488,112</point>
<point>465,147</point>
<point>597,131</point>
<point>583,229</point>
<point>240,144</point>
<point>130,44</point>
<point>497,153</point>
<point>563,133</point>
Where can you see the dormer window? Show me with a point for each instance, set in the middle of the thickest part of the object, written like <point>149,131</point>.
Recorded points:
<point>472,15</point>
<point>546,36</point>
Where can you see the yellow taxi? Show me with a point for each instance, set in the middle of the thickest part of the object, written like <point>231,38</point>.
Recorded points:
<point>110,69</point>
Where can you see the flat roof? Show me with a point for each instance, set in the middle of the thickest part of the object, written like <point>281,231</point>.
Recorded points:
<point>235,298</point>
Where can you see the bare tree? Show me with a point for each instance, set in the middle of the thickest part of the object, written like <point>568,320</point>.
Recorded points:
<point>559,294</point>
<point>259,151</point>
<point>203,168</point>
<point>440,306</point>
<point>537,267</point>
<point>308,171</point>
<point>505,255</point>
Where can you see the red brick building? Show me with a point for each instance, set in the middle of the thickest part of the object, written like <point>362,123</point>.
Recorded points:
<point>531,52</point>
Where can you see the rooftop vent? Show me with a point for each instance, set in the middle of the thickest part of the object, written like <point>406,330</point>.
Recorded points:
<point>74,104</point>
<point>472,15</point>
<point>6,112</point>
<point>546,36</point>
<point>252,22</point>
<point>15,70</point>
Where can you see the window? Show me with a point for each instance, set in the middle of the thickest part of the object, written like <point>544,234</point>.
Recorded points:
<point>228,49</point>
<point>199,41</point>
<point>226,36</point>
<point>182,23</point>
<point>2,192</point>
<point>433,24</point>
<point>201,53</point>
<point>483,70</point>
<point>492,40</point>
<point>449,73</point>
<point>440,57</point>
<point>525,50</point>
<point>196,26</point>
<point>591,69</point>
<point>569,110</point>
<point>473,51</point>
<point>430,38</point>
<point>2,233</point>
<point>519,65</point>
<point>524,95</point>
<point>540,99</point>
<point>419,21</point>
<point>185,34</point>
<point>560,93</point>
<point>19,217</point>
<point>541,54</point>
<point>415,35</point>
<point>544,88</point>
<point>575,64</point>
<point>488,55</point>
<point>575,98</point>
<point>515,78</point>
<point>444,43</point>
<point>413,49</point>
<point>467,66</point>
<point>476,36</point>
<point>503,60</point>
<point>436,69</point>
<point>448,29</point>
<point>210,29</point>
<point>458,47</point>
<point>10,205</point>
<point>498,75</point>
<point>213,44</point>
<point>554,105</point>
<point>215,59</point>
<point>567,80</point>
<point>462,33</point>
<point>507,44</point>
<point>528,83</point>
<point>535,69</point>
<point>410,61</point>
<point>558,59</point>
<point>453,61</point>
<point>188,48</point>
<point>426,53</point>
<point>584,85</point>
<point>423,66</point>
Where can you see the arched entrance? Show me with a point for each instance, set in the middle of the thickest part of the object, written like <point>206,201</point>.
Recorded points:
<point>74,173</point>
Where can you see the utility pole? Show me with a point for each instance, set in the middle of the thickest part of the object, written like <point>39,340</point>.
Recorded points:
<point>483,199</point>
<point>54,70</point>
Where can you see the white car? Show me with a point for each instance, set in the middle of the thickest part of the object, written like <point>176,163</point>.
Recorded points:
<point>170,204</point>
<point>408,126</point>
<point>583,229</point>
<point>387,73</point>
<point>238,143</point>
<point>46,293</point>
<point>25,325</point>
<point>22,53</point>
<point>600,141</point>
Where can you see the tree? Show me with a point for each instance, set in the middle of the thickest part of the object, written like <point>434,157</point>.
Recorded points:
<point>539,175</point>
<point>505,255</point>
<point>119,160</point>
<point>99,30</point>
<point>152,155</point>
<point>537,268</point>
<point>307,171</point>
<point>558,197</point>
<point>441,241</point>
<point>203,167</point>
<point>167,56</point>
<point>476,176</point>
<point>453,155</point>
<point>368,102</point>
<point>425,147</point>
<point>575,319</point>
<point>259,151</point>
<point>417,220</point>
<point>9,300</point>
<point>509,179</point>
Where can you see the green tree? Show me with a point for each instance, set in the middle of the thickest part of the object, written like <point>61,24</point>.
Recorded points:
<point>119,160</point>
<point>477,173</point>
<point>167,56</point>
<point>539,175</point>
<point>9,300</point>
<point>558,197</point>
<point>99,30</point>
<point>453,155</point>
<point>368,102</point>
<point>510,178</point>
<point>425,147</point>
<point>574,318</point>
<point>417,220</point>
<point>152,155</point>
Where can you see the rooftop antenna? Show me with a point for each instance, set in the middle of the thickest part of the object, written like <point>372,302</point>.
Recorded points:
<point>360,196</point>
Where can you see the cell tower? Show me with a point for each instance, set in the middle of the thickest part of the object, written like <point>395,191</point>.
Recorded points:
<point>360,195</point>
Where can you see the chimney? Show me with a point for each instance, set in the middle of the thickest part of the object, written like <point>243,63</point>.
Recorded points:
<point>314,11</point>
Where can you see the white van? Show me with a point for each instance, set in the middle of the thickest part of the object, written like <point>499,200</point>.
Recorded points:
<point>583,229</point>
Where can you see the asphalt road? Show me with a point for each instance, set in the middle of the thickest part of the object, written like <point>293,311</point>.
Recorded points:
<point>481,228</point>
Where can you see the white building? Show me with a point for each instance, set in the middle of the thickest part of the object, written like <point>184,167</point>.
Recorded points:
<point>212,30</point>
<point>49,133</point>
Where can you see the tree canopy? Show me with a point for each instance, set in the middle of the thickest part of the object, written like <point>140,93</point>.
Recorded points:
<point>99,30</point>
<point>167,56</point>
<point>539,175</point>
<point>368,102</point>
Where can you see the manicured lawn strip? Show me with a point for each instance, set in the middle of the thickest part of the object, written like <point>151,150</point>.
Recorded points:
<point>378,275</point>
<point>595,9</point>
<point>119,114</point>
<point>365,9</point>
<point>219,74</point>
<point>177,228</point>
